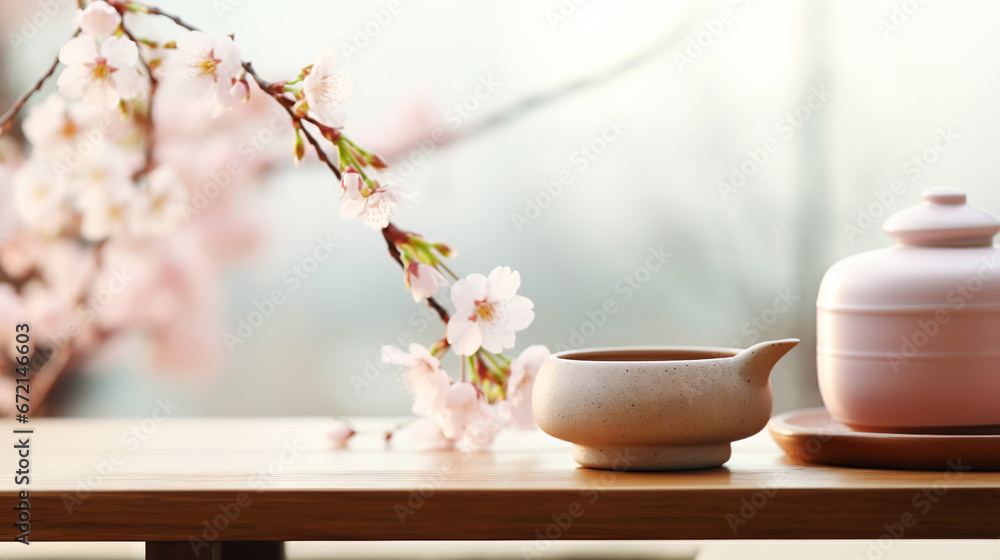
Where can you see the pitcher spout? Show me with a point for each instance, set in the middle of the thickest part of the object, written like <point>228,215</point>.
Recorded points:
<point>757,361</point>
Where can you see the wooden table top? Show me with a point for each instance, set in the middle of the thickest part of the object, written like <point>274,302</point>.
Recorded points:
<point>278,479</point>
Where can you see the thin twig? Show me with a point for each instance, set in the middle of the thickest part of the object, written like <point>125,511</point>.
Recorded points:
<point>394,252</point>
<point>8,117</point>
<point>270,89</point>
<point>157,12</point>
<point>150,137</point>
<point>267,88</point>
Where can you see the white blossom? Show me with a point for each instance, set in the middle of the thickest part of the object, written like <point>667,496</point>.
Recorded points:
<point>488,312</point>
<point>102,75</point>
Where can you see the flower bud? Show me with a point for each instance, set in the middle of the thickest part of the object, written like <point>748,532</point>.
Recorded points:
<point>330,133</point>
<point>444,250</point>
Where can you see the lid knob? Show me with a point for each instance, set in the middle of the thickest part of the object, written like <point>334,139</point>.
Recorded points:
<point>944,195</point>
<point>944,220</point>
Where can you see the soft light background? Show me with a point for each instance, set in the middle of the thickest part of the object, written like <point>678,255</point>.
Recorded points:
<point>655,186</point>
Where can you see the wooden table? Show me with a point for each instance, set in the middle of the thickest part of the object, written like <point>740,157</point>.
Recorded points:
<point>238,488</point>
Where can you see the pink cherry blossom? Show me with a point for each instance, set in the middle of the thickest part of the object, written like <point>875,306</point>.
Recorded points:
<point>372,205</point>
<point>461,406</point>
<point>467,418</point>
<point>422,434</point>
<point>48,314</point>
<point>208,65</point>
<point>325,90</point>
<point>105,212</point>
<point>19,253</point>
<point>159,208</point>
<point>55,128</point>
<point>483,428</point>
<point>339,432</point>
<point>39,197</point>
<point>107,167</point>
<point>424,280</point>
<point>517,406</point>
<point>67,268</point>
<point>100,75</point>
<point>488,312</point>
<point>351,181</point>
<point>11,313</point>
<point>172,293</point>
<point>423,377</point>
<point>11,159</point>
<point>98,19</point>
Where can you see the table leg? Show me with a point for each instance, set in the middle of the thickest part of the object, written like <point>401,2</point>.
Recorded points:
<point>171,551</point>
<point>250,550</point>
<point>224,550</point>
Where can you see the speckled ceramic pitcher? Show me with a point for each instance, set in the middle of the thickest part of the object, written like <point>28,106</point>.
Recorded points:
<point>656,408</point>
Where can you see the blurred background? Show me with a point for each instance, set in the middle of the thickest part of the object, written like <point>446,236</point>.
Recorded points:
<point>698,164</point>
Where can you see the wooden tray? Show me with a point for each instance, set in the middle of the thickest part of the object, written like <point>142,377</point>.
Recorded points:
<point>813,435</point>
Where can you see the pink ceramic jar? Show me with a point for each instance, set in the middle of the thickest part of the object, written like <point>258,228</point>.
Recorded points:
<point>909,336</point>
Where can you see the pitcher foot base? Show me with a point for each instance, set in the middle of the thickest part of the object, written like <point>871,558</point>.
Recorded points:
<point>662,458</point>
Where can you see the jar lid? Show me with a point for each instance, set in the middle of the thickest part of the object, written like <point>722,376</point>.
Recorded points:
<point>943,220</point>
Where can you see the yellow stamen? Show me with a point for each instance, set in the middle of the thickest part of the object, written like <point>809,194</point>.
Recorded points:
<point>69,129</point>
<point>100,69</point>
<point>486,311</point>
<point>209,65</point>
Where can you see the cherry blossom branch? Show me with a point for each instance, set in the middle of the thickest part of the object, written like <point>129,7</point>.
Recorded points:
<point>391,233</point>
<point>269,88</point>
<point>274,90</point>
<point>8,117</point>
<point>150,137</point>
